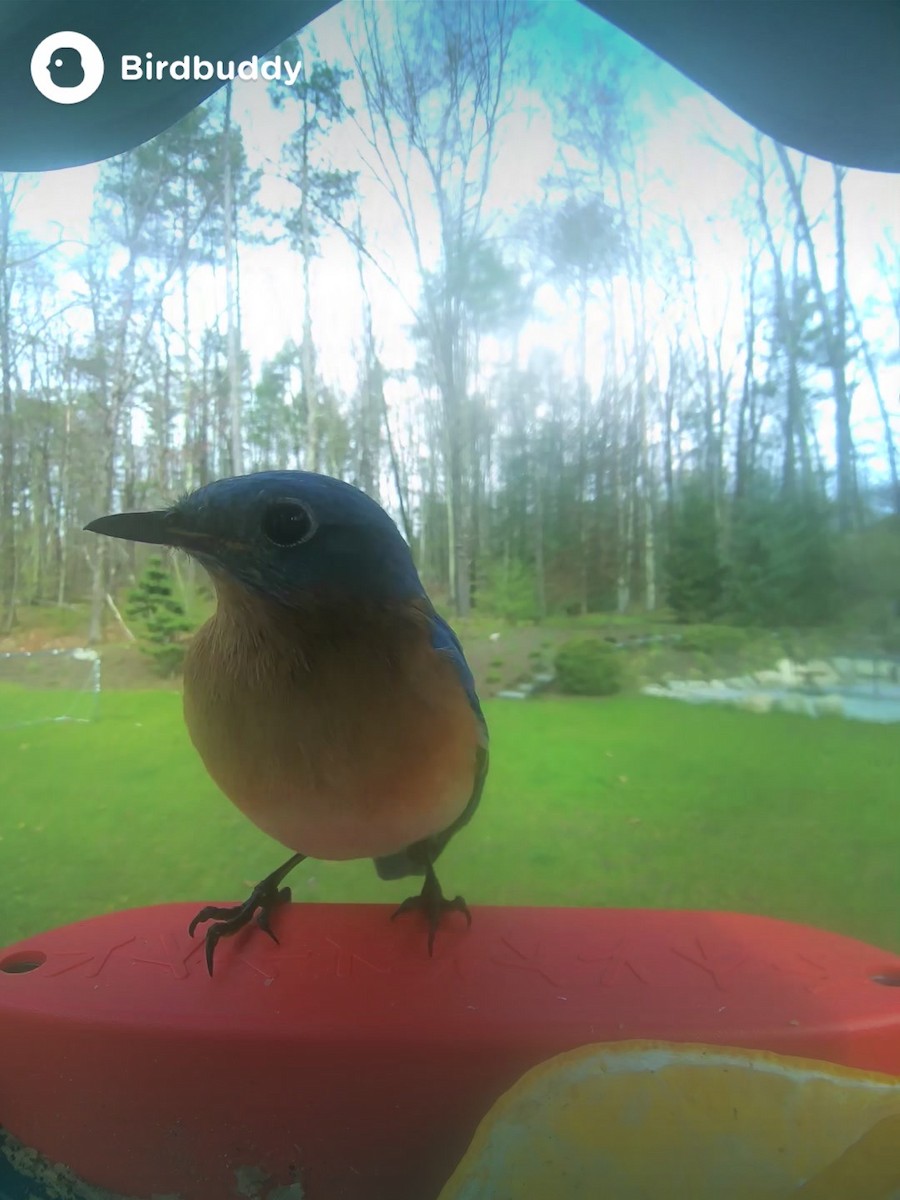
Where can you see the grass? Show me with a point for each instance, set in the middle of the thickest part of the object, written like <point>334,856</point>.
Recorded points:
<point>626,802</point>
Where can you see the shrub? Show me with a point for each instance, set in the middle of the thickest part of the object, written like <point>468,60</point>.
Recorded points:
<point>588,668</point>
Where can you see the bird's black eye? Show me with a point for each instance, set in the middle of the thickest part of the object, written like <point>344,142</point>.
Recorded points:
<point>287,523</point>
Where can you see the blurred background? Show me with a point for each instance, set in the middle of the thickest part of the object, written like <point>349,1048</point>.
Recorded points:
<point>624,371</point>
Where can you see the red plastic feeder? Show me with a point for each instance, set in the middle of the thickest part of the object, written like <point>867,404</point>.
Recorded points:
<point>349,1063</point>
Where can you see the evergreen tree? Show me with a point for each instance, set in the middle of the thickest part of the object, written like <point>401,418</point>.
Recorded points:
<point>694,566</point>
<point>161,617</point>
<point>782,568</point>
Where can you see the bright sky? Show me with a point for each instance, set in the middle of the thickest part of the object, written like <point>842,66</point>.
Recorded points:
<point>688,175</point>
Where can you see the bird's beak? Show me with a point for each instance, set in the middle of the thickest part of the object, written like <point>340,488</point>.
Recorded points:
<point>160,528</point>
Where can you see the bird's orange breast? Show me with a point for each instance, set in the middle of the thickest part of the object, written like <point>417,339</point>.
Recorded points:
<point>338,731</point>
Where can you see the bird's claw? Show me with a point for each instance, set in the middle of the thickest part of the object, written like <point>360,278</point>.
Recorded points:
<point>432,902</point>
<point>227,921</point>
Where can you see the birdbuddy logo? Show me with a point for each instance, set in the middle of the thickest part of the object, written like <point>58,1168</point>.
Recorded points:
<point>67,67</point>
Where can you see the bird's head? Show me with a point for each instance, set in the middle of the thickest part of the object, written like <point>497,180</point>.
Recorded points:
<point>284,534</point>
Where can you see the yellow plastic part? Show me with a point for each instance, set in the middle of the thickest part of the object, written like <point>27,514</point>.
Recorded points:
<point>671,1121</point>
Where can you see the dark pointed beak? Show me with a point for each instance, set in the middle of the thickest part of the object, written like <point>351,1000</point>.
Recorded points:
<point>160,528</point>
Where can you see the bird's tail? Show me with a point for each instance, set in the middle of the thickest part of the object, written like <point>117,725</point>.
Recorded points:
<point>399,865</point>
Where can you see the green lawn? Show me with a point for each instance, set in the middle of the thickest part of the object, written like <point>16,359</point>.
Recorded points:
<point>628,802</point>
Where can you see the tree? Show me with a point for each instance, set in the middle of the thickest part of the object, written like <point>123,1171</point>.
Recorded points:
<point>781,568</point>
<point>28,310</point>
<point>434,91</point>
<point>124,308</point>
<point>276,413</point>
<point>191,225</point>
<point>8,191</point>
<point>694,569</point>
<point>232,320</point>
<point>161,617</point>
<point>323,192</point>
<point>582,243</point>
<point>833,331</point>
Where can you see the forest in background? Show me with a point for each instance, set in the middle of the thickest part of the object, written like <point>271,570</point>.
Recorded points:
<point>719,481</point>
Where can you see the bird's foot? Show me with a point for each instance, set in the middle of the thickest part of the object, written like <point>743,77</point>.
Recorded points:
<point>227,921</point>
<point>266,896</point>
<point>432,902</point>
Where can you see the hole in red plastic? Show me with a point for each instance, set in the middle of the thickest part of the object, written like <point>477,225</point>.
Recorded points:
<point>22,962</point>
<point>888,978</point>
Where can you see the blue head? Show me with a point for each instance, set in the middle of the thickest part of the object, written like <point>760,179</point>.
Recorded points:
<point>285,534</point>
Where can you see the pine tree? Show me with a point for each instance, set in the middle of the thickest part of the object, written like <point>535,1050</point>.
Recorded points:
<point>781,568</point>
<point>161,618</point>
<point>693,566</point>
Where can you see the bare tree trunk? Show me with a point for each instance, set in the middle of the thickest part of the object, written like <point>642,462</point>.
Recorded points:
<point>308,371</point>
<point>540,579</point>
<point>649,518</point>
<point>580,495</point>
<point>795,425</point>
<point>642,499</point>
<point>436,101</point>
<point>164,461</point>
<point>890,444</point>
<point>100,551</point>
<point>112,383</point>
<point>672,385</point>
<point>307,350</point>
<point>374,406</point>
<point>100,560</point>
<point>786,308</point>
<point>193,435</point>
<point>371,390</point>
<point>625,535</point>
<point>743,464</point>
<point>43,517</point>
<point>459,542</point>
<point>62,507</point>
<point>113,608</point>
<point>451,374</point>
<point>848,497</point>
<point>399,483</point>
<point>234,364</point>
<point>8,557</point>
<point>834,332</point>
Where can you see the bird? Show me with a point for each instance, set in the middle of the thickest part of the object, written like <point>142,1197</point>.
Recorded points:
<point>326,697</point>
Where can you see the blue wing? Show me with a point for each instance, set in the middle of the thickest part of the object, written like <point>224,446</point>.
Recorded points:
<point>447,643</point>
<point>395,866</point>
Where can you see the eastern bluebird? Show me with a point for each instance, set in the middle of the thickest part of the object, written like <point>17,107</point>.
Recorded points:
<point>326,697</point>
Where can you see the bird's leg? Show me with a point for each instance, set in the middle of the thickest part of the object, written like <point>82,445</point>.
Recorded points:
<point>267,894</point>
<point>433,903</point>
